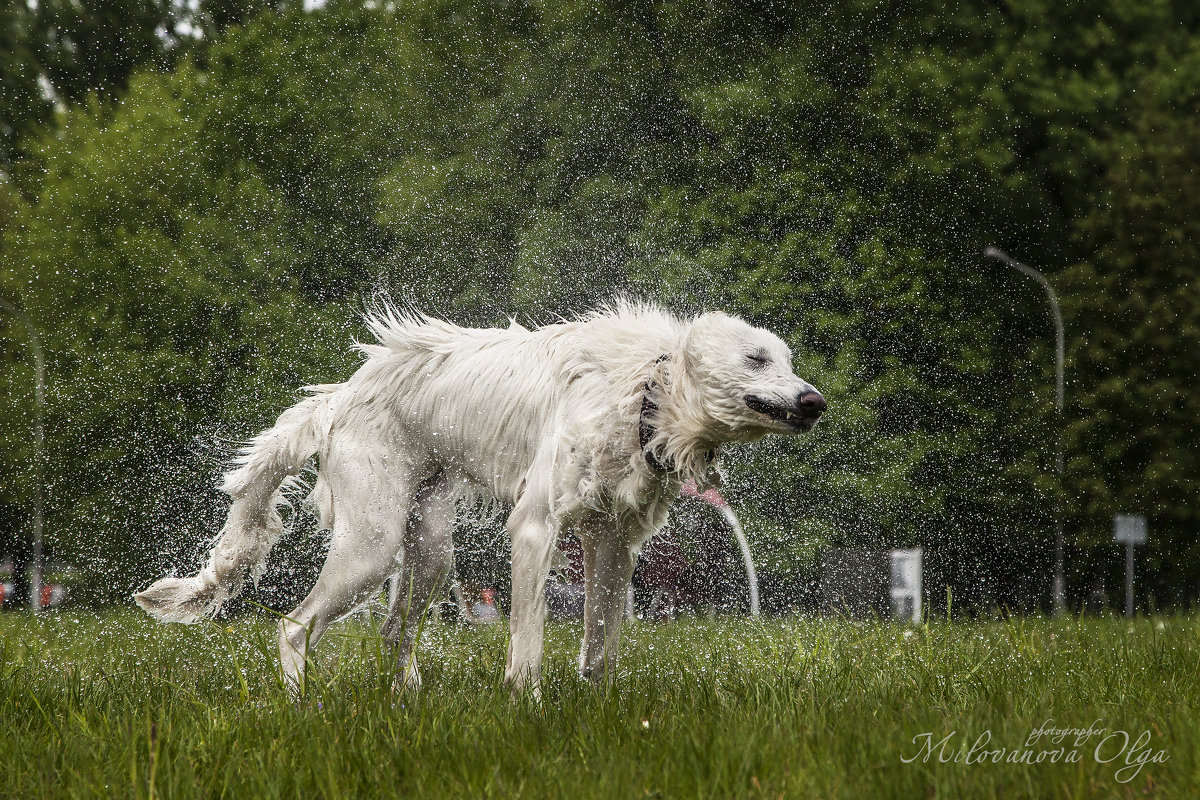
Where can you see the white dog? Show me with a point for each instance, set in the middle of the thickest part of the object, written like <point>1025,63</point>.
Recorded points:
<point>592,424</point>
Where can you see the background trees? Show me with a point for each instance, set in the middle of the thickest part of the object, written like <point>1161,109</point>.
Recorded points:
<point>200,245</point>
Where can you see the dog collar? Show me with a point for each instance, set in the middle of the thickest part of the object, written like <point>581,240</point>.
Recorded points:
<point>646,431</point>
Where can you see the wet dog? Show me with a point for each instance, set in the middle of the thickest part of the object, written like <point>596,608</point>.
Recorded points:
<point>590,424</point>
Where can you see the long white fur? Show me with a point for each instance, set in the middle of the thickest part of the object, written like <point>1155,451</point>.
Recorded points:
<point>546,420</point>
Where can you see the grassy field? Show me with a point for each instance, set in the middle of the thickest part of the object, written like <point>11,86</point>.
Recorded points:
<point>117,706</point>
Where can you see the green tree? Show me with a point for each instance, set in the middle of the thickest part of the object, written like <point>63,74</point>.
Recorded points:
<point>1100,102</point>
<point>199,249</point>
<point>22,106</point>
<point>1130,292</point>
<point>146,278</point>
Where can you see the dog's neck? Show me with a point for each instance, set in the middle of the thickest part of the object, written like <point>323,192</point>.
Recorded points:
<point>665,447</point>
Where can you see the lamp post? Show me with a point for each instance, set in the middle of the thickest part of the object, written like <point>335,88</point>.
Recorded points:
<point>39,449</point>
<point>997,254</point>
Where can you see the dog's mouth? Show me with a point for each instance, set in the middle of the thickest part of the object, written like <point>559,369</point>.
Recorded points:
<point>798,419</point>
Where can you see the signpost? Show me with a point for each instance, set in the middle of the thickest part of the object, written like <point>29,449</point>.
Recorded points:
<point>1129,529</point>
<point>906,584</point>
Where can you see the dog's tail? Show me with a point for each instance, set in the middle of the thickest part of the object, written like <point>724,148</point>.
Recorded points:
<point>254,523</point>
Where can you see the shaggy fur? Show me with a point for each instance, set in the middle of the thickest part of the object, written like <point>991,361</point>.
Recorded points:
<point>591,424</point>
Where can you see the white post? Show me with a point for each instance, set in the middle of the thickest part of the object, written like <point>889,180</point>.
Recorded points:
<point>1129,579</point>
<point>39,451</point>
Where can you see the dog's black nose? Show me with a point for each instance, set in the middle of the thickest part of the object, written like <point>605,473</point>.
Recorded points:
<point>812,403</point>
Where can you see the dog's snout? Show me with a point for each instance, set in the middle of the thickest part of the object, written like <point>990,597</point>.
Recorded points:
<point>811,402</point>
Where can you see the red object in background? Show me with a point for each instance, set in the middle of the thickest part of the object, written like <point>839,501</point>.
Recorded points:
<point>664,568</point>
<point>572,551</point>
<point>52,595</point>
<point>663,563</point>
<point>712,496</point>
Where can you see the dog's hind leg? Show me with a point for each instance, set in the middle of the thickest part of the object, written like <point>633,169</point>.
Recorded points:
<point>608,562</point>
<point>428,559</point>
<point>370,516</point>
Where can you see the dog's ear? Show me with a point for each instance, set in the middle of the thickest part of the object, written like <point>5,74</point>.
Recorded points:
<point>700,336</point>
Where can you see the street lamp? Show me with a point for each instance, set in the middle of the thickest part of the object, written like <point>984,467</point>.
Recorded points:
<point>999,255</point>
<point>39,450</point>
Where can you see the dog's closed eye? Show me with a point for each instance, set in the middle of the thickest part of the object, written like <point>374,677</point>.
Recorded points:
<point>758,360</point>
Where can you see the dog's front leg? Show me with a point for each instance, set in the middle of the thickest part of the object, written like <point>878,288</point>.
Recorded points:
<point>608,562</point>
<point>533,540</point>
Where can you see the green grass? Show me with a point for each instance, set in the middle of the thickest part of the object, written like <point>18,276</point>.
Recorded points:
<point>117,706</point>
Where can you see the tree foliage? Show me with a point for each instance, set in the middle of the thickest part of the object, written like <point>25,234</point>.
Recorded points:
<point>197,248</point>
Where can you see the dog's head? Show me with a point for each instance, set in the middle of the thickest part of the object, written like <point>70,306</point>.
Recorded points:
<point>745,377</point>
